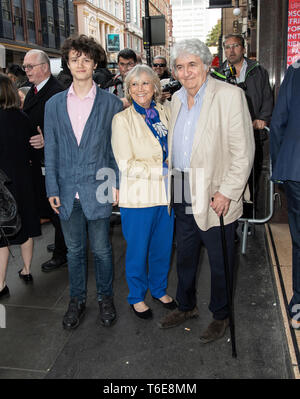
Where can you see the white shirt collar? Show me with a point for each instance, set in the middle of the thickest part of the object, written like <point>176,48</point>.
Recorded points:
<point>42,84</point>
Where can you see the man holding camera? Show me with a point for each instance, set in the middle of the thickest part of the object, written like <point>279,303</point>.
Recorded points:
<point>159,66</point>
<point>254,80</point>
<point>169,85</point>
<point>251,77</point>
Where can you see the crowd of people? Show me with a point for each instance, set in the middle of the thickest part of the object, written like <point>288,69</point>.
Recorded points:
<point>80,144</point>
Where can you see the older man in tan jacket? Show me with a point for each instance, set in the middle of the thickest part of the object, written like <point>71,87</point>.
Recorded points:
<point>211,151</point>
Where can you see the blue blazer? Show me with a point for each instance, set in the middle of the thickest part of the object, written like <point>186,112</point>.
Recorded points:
<point>90,168</point>
<point>285,128</point>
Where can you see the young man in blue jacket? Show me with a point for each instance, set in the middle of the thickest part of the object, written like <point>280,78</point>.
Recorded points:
<point>82,175</point>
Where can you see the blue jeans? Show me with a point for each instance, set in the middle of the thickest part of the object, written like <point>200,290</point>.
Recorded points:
<point>75,232</point>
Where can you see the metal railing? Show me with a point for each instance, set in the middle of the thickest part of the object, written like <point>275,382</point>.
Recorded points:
<point>247,221</point>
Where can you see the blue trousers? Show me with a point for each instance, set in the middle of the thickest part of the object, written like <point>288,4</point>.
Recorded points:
<point>292,190</point>
<point>75,232</point>
<point>149,235</point>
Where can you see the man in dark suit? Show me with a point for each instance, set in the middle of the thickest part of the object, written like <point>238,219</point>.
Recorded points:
<point>44,85</point>
<point>285,149</point>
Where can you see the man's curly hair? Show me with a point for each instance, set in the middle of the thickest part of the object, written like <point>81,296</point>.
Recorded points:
<point>86,45</point>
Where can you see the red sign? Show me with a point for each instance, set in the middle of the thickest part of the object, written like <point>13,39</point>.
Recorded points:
<point>293,43</point>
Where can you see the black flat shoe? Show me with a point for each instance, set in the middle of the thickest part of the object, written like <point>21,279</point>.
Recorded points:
<point>168,305</point>
<point>147,314</point>
<point>27,278</point>
<point>4,293</point>
<point>53,264</point>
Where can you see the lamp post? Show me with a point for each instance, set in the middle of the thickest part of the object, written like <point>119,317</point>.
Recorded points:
<point>147,36</point>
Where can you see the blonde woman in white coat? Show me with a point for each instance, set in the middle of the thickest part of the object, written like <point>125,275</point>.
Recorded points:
<point>139,142</point>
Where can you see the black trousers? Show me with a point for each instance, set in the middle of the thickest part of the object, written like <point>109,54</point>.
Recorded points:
<point>292,190</point>
<point>190,238</point>
<point>45,211</point>
<point>60,250</point>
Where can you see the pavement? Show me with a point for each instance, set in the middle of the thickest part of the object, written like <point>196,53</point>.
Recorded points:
<point>35,346</point>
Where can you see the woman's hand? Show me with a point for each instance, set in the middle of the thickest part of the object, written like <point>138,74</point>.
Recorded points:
<point>115,193</point>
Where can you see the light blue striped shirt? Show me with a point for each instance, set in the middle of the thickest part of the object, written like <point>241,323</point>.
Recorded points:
<point>185,127</point>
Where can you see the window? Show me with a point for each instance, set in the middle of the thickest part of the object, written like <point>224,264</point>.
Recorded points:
<point>30,20</point>
<point>50,24</point>
<point>6,10</point>
<point>18,16</point>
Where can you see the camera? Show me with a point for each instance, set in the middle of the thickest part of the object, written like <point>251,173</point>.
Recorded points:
<point>172,86</point>
<point>230,73</point>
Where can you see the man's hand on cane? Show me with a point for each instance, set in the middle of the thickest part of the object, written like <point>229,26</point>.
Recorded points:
<point>220,204</point>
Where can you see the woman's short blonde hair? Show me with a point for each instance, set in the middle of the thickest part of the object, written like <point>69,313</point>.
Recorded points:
<point>136,72</point>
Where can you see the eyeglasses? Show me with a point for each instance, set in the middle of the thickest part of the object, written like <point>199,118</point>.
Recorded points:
<point>30,66</point>
<point>230,46</point>
<point>159,65</point>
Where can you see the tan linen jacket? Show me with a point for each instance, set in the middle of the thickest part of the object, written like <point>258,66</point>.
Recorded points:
<point>139,157</point>
<point>222,153</point>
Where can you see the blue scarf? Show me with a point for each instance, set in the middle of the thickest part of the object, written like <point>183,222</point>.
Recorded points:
<point>156,126</point>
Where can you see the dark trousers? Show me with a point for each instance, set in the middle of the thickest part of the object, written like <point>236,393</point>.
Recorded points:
<point>292,190</point>
<point>60,250</point>
<point>45,211</point>
<point>190,238</point>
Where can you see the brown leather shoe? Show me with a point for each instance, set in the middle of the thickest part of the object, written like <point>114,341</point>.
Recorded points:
<point>214,331</point>
<point>177,317</point>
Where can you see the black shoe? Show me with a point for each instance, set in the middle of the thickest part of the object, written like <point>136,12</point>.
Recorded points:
<point>4,293</point>
<point>107,311</point>
<point>27,278</point>
<point>53,264</point>
<point>73,315</point>
<point>50,247</point>
<point>168,305</point>
<point>147,314</point>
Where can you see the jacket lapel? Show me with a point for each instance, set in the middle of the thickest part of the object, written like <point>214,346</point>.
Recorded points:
<point>204,114</point>
<point>95,114</point>
<point>31,99</point>
<point>64,115</point>
<point>175,108</point>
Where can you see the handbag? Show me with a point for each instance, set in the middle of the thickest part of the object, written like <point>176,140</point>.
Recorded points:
<point>10,221</point>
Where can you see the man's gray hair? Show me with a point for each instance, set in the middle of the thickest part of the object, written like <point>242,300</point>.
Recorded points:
<point>43,57</point>
<point>136,72</point>
<point>191,46</point>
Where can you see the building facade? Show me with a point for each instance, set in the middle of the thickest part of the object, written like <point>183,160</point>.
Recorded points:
<point>103,20</point>
<point>192,19</point>
<point>122,21</point>
<point>163,7</point>
<point>41,24</point>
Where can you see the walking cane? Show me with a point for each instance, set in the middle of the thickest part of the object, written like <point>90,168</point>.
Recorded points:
<point>228,287</point>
